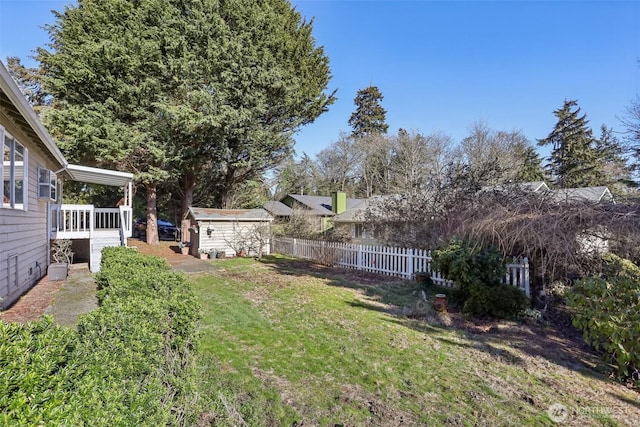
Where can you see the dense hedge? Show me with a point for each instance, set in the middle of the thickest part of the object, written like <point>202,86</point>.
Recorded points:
<point>478,273</point>
<point>127,364</point>
<point>607,310</point>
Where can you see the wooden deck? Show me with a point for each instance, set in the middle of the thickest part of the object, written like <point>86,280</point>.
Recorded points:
<point>103,227</point>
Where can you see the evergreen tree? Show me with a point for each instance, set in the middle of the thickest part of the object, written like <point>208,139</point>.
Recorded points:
<point>369,127</point>
<point>296,177</point>
<point>531,168</point>
<point>574,159</point>
<point>30,83</point>
<point>613,169</point>
<point>180,90</point>
<point>369,117</point>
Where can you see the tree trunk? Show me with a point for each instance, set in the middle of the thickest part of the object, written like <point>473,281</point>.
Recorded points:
<point>152,214</point>
<point>188,186</point>
<point>227,187</point>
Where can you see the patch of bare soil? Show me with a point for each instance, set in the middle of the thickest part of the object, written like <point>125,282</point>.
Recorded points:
<point>164,249</point>
<point>362,277</point>
<point>33,304</point>
<point>382,414</point>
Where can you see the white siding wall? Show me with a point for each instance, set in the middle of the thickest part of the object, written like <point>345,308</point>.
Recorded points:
<point>23,234</point>
<point>222,235</point>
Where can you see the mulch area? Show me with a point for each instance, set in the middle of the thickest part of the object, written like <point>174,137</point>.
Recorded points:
<point>33,304</point>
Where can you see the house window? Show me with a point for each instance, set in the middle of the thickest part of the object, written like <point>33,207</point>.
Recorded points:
<point>47,184</point>
<point>14,173</point>
<point>359,231</point>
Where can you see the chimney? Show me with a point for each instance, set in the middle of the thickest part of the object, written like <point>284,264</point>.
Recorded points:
<point>338,202</point>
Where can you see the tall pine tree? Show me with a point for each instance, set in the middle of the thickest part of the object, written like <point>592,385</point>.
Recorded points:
<point>369,125</point>
<point>369,117</point>
<point>574,158</point>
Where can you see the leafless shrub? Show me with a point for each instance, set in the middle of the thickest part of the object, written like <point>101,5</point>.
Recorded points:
<point>561,239</point>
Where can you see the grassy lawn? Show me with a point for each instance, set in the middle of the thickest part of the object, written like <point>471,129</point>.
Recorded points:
<point>288,343</point>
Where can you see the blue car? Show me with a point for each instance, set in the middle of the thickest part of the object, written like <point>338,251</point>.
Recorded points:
<point>166,230</point>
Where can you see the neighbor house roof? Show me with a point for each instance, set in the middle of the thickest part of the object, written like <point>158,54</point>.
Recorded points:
<point>584,194</point>
<point>207,214</point>
<point>277,208</point>
<point>355,213</point>
<point>321,205</point>
<point>533,186</point>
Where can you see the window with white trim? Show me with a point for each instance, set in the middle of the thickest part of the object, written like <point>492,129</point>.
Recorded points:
<point>14,172</point>
<point>47,184</point>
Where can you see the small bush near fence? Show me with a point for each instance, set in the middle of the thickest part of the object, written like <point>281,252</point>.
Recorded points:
<point>479,273</point>
<point>607,310</point>
<point>127,364</point>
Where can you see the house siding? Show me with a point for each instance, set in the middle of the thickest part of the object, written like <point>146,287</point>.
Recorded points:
<point>23,233</point>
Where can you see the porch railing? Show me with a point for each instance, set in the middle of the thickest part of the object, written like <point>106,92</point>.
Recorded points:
<point>82,221</point>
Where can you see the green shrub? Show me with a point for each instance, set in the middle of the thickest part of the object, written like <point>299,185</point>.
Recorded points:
<point>501,301</point>
<point>38,372</point>
<point>478,273</point>
<point>607,311</point>
<point>127,364</point>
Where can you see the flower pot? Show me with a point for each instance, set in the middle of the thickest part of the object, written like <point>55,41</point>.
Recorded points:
<point>440,302</point>
<point>58,271</point>
<point>204,255</point>
<point>185,250</point>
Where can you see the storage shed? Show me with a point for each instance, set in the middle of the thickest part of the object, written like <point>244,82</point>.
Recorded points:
<point>230,231</point>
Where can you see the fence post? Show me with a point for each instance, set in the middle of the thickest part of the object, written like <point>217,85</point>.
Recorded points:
<point>295,253</point>
<point>525,263</point>
<point>359,261</point>
<point>410,266</point>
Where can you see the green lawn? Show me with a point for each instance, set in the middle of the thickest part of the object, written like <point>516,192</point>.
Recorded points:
<point>284,343</point>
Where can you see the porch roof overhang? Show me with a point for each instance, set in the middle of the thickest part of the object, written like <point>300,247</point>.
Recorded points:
<point>99,176</point>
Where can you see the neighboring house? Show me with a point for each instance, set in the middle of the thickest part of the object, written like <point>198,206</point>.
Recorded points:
<point>33,171</point>
<point>281,213</point>
<point>534,187</point>
<point>585,194</point>
<point>352,222</point>
<point>320,209</point>
<point>229,230</point>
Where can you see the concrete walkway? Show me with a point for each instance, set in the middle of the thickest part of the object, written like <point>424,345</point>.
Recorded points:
<point>77,295</point>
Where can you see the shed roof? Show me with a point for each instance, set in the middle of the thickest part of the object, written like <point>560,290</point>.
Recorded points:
<point>208,214</point>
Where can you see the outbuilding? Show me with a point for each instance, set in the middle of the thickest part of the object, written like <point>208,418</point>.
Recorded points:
<point>229,231</point>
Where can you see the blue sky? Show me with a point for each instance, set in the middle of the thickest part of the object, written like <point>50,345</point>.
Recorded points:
<point>441,66</point>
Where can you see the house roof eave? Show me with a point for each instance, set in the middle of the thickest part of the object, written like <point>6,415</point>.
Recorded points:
<point>16,104</point>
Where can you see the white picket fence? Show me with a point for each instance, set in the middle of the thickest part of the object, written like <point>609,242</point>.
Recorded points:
<point>398,262</point>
